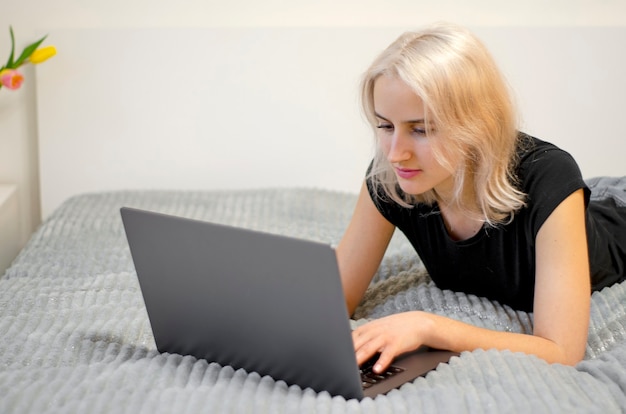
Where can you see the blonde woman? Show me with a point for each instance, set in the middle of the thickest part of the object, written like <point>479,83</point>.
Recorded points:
<point>490,211</point>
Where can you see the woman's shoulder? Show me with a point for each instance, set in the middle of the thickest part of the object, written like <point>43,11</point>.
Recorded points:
<point>531,148</point>
<point>537,158</point>
<point>547,175</point>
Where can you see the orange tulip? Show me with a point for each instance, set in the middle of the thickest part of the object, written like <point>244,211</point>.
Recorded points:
<point>11,78</point>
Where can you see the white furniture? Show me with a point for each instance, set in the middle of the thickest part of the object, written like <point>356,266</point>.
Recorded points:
<point>9,226</point>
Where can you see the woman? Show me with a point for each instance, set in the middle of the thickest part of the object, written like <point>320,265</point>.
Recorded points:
<point>489,210</point>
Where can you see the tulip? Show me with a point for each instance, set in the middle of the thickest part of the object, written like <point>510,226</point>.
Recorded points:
<point>11,78</point>
<point>42,54</point>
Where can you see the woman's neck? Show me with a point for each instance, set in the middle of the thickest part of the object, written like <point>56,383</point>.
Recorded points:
<point>460,223</point>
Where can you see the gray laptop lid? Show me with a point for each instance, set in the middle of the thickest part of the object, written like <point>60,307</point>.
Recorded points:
<point>252,300</point>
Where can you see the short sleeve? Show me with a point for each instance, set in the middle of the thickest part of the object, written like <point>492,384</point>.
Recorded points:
<point>387,207</point>
<point>548,176</point>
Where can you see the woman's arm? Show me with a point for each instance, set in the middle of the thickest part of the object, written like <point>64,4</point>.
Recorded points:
<point>561,305</point>
<point>362,247</point>
<point>562,280</point>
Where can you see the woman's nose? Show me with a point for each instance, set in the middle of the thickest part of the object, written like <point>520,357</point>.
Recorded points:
<point>399,149</point>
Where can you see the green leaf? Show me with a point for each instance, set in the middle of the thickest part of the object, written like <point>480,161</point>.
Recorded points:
<point>9,64</point>
<point>28,50</point>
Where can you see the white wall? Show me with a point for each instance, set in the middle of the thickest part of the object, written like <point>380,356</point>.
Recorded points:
<point>33,18</point>
<point>52,14</point>
<point>277,107</point>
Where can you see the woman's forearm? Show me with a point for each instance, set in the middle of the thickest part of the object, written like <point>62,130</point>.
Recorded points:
<point>445,333</point>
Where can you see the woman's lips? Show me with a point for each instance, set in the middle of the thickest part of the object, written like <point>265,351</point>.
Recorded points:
<point>407,173</point>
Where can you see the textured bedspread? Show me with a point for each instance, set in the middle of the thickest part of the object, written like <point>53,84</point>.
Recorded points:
<point>75,335</point>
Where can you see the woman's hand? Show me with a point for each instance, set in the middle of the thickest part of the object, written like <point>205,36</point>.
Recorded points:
<point>390,336</point>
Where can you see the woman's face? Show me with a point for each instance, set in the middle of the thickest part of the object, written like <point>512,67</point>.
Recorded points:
<point>403,139</point>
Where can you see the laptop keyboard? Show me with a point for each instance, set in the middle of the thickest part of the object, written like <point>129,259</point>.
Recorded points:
<point>369,377</point>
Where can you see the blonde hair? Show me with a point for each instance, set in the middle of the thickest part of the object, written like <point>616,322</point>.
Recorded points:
<point>469,104</point>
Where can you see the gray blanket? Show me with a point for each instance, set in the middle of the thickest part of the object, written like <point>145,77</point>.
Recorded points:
<point>75,335</point>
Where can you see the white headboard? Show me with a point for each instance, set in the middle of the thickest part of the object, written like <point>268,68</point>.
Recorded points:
<point>237,108</point>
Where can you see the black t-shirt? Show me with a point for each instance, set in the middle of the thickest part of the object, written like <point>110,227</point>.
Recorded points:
<point>499,262</point>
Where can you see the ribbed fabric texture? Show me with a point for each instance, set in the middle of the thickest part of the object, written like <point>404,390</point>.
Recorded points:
<point>75,335</point>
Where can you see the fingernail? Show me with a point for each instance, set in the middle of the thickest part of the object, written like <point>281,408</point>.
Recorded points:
<point>378,367</point>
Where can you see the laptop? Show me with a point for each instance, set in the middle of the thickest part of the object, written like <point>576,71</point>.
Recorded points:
<point>263,302</point>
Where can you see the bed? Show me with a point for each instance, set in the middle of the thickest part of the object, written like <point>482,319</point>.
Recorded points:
<point>76,337</point>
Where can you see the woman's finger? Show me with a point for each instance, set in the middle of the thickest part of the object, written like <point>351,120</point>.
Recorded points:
<point>368,349</point>
<point>387,355</point>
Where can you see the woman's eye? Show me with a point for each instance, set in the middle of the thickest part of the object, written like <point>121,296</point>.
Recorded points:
<point>385,127</point>
<point>419,131</point>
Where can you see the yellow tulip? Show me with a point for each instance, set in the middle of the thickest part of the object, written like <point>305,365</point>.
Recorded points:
<point>42,54</point>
